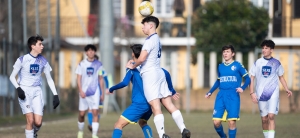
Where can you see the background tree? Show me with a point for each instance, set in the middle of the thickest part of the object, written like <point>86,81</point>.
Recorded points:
<point>236,22</point>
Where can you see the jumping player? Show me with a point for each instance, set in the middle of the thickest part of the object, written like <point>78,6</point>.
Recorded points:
<point>139,110</point>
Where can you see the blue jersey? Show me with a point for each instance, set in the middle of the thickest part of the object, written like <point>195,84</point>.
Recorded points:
<point>134,76</point>
<point>230,76</point>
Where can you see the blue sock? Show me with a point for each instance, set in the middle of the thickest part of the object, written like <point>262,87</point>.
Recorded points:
<point>147,131</point>
<point>232,133</point>
<point>117,133</point>
<point>90,117</point>
<point>220,131</point>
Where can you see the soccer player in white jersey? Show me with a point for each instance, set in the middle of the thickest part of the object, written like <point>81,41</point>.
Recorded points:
<point>267,72</point>
<point>88,79</point>
<point>29,69</point>
<point>154,80</point>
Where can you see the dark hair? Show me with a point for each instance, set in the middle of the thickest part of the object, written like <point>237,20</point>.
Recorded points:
<point>96,57</point>
<point>226,47</point>
<point>268,43</point>
<point>151,19</point>
<point>33,40</point>
<point>136,49</point>
<point>90,46</point>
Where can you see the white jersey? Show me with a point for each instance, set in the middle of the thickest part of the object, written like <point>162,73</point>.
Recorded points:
<point>153,47</point>
<point>30,69</point>
<point>267,72</point>
<point>89,72</point>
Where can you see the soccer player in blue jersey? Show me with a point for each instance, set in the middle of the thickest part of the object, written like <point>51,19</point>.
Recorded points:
<point>230,74</point>
<point>154,81</point>
<point>267,71</point>
<point>29,69</point>
<point>139,110</point>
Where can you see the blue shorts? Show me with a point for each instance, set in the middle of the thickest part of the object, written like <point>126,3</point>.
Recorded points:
<point>228,100</point>
<point>137,111</point>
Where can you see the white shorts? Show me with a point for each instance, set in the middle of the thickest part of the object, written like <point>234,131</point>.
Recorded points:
<point>33,103</point>
<point>89,102</point>
<point>270,106</point>
<point>155,85</point>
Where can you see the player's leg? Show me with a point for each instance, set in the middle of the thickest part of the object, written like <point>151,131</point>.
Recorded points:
<point>146,128</point>
<point>93,103</point>
<point>218,114</point>
<point>83,106</point>
<point>176,115</point>
<point>27,110</point>
<point>38,107</point>
<point>264,110</point>
<point>95,123</point>
<point>29,132</point>
<point>273,110</point>
<point>119,125</point>
<point>90,119</point>
<point>143,123</point>
<point>232,105</point>
<point>158,117</point>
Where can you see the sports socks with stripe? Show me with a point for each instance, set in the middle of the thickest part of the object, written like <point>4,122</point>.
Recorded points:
<point>147,131</point>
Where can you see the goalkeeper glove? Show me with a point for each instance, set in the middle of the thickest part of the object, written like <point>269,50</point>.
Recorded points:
<point>55,101</point>
<point>21,93</point>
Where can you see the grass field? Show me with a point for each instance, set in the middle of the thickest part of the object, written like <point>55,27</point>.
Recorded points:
<point>200,124</point>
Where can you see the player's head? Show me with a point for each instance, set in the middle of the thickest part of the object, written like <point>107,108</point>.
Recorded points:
<point>90,51</point>
<point>150,23</point>
<point>35,43</point>
<point>136,50</point>
<point>228,52</point>
<point>267,48</point>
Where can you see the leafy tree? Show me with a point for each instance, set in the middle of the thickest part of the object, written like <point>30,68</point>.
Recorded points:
<point>236,22</point>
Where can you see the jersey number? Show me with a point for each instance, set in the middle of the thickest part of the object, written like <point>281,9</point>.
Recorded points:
<point>159,51</point>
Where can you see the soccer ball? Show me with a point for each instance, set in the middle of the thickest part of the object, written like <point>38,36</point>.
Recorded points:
<point>146,8</point>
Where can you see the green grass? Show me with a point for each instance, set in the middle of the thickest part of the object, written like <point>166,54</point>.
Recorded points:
<point>199,123</point>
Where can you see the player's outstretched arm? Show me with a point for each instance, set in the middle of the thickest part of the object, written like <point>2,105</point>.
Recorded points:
<point>123,83</point>
<point>21,93</point>
<point>283,82</point>
<point>52,87</point>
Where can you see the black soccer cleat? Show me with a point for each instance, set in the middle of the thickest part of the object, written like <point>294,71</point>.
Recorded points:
<point>186,133</point>
<point>165,136</point>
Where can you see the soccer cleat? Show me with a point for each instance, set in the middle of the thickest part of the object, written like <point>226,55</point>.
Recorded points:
<point>80,134</point>
<point>186,133</point>
<point>165,136</point>
<point>94,136</point>
<point>90,128</point>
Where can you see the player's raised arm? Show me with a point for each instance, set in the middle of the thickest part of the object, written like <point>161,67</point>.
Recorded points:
<point>123,83</point>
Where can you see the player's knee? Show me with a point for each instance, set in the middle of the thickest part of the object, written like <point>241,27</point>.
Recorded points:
<point>232,124</point>
<point>217,123</point>
<point>265,120</point>
<point>271,117</point>
<point>142,123</point>
<point>38,124</point>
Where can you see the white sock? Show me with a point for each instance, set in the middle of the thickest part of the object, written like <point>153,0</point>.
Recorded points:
<point>80,126</point>
<point>266,132</point>
<point>35,129</point>
<point>178,120</point>
<point>271,134</point>
<point>159,124</point>
<point>95,127</point>
<point>29,133</point>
